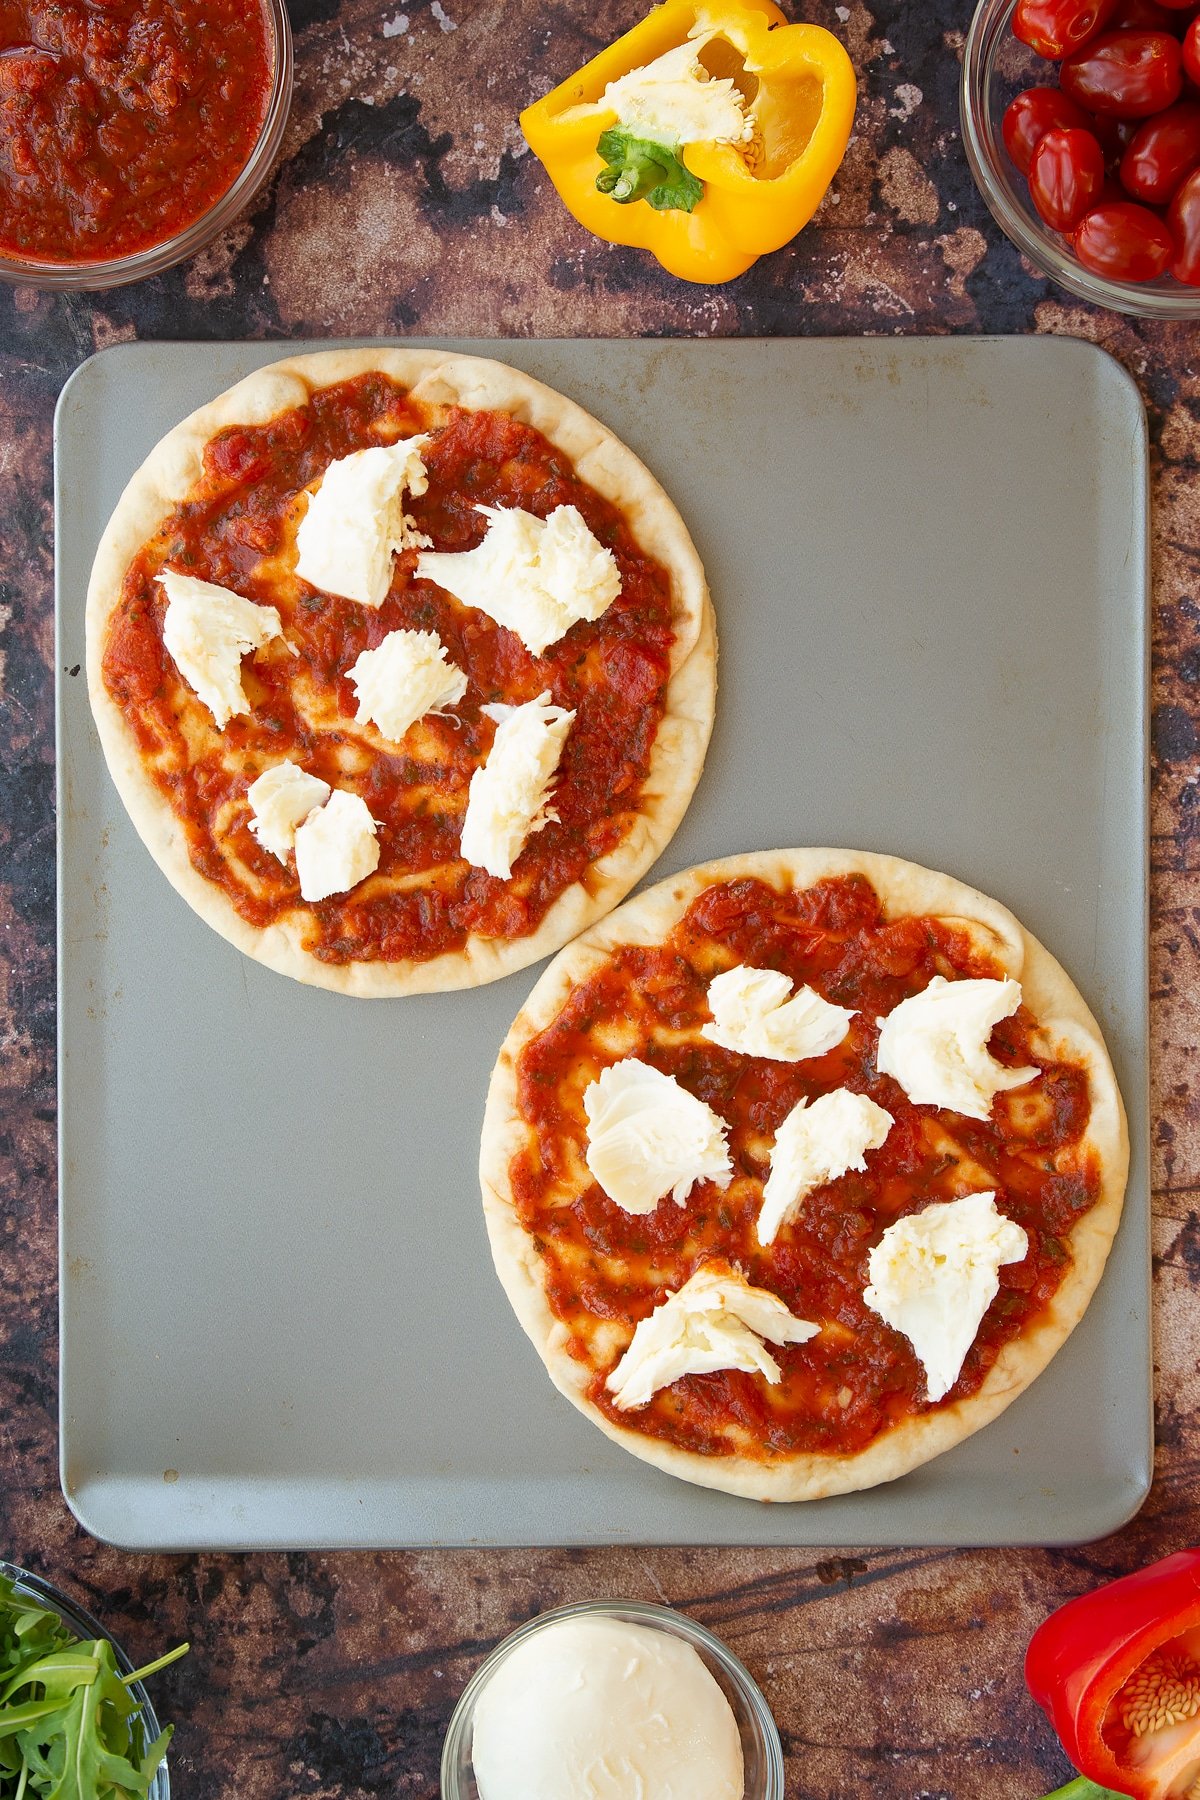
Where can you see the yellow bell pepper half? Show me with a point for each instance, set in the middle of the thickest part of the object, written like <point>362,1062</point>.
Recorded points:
<point>723,205</point>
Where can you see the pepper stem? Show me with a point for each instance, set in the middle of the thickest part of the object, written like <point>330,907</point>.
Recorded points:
<point>639,169</point>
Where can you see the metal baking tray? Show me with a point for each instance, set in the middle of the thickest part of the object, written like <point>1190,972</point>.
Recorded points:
<point>280,1323</point>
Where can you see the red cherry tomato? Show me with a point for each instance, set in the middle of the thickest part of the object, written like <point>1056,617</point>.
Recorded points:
<point>1034,113</point>
<point>1056,27</point>
<point>1143,15</point>
<point>1184,221</point>
<point>1161,152</point>
<point>1130,74</point>
<point>1066,177</point>
<point>1179,5</point>
<point>1191,51</point>
<point>1124,242</point>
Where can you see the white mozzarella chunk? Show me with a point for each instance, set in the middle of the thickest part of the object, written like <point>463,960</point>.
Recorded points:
<point>537,577</point>
<point>753,1014</point>
<point>406,676</point>
<point>816,1144</point>
<point>589,1707</point>
<point>356,521</point>
<point>281,799</point>
<point>336,847</point>
<point>208,629</point>
<point>714,1321</point>
<point>935,1045</point>
<point>647,1137</point>
<point>933,1275</point>
<point>506,801</point>
<point>674,100</point>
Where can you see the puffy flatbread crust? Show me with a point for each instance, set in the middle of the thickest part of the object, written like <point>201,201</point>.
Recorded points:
<point>1067,1026</point>
<point>599,458</point>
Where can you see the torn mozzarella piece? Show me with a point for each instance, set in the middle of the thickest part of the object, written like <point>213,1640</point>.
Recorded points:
<point>281,799</point>
<point>816,1144</point>
<point>753,1014</point>
<point>934,1275</point>
<point>537,577</point>
<point>506,801</point>
<point>208,629</point>
<point>935,1045</point>
<point>356,521</point>
<point>406,676</point>
<point>647,1137</point>
<point>336,847</point>
<point>674,100</point>
<point>715,1321</point>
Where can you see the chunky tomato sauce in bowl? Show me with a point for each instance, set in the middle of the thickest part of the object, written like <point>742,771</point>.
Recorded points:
<point>132,131</point>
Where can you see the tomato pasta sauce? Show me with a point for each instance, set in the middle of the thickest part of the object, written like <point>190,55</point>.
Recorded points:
<point>122,124</point>
<point>604,1270</point>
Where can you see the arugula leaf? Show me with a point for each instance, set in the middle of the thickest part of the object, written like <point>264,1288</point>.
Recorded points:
<point>69,1727</point>
<point>639,169</point>
<point>17,1718</point>
<point>1083,1789</point>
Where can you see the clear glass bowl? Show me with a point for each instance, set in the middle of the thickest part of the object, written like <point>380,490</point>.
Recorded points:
<point>996,66</point>
<point>119,270</point>
<point>84,1626</point>
<point>762,1752</point>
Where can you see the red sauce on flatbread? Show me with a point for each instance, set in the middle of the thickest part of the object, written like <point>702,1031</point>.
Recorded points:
<point>844,1387</point>
<point>237,528</point>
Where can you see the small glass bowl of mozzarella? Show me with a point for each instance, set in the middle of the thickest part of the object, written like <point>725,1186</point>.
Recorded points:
<point>640,1690</point>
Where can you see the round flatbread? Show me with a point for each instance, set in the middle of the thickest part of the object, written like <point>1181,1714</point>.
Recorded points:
<point>221,498</point>
<point>866,932</point>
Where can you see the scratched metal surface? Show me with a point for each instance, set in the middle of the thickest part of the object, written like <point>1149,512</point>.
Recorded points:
<point>402,203</point>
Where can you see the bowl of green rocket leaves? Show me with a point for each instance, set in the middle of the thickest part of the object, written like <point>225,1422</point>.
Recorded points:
<point>76,1722</point>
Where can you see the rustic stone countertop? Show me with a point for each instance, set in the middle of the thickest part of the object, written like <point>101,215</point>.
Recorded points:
<point>404,203</point>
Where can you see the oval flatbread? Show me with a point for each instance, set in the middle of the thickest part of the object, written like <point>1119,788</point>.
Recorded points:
<point>851,1407</point>
<point>221,499</point>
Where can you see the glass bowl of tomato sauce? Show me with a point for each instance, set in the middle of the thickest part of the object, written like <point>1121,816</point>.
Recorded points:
<point>997,67</point>
<point>132,132</point>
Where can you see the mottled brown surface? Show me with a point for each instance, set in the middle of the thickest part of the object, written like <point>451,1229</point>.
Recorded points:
<point>404,203</point>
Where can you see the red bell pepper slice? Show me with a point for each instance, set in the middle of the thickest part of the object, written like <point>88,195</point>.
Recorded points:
<point>1085,1653</point>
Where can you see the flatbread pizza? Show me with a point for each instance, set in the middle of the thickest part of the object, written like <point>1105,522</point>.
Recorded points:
<point>404,667</point>
<point>800,1167</point>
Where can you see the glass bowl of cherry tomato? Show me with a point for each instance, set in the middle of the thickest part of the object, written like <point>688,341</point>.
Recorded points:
<point>1081,121</point>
